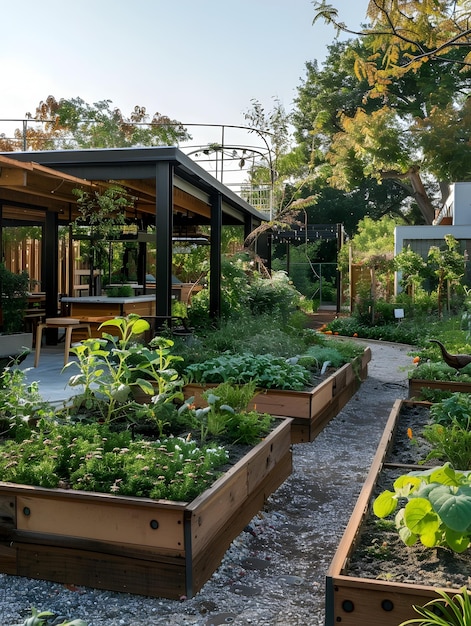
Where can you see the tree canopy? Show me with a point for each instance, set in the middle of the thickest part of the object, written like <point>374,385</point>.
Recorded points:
<point>382,108</point>
<point>73,123</point>
<point>406,34</point>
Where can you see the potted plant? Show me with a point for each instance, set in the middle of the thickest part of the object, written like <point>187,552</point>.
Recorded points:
<point>14,292</point>
<point>130,497</point>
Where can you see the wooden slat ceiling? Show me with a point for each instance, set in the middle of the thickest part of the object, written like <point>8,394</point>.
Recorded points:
<point>39,187</point>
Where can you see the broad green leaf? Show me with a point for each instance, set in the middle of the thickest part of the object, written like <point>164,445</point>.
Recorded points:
<point>453,505</point>
<point>458,542</point>
<point>146,386</point>
<point>430,538</point>
<point>121,394</point>
<point>140,326</point>
<point>446,475</point>
<point>407,537</point>
<point>385,504</point>
<point>420,517</point>
<point>406,483</point>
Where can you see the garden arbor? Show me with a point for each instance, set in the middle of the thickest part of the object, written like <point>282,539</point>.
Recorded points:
<point>168,191</point>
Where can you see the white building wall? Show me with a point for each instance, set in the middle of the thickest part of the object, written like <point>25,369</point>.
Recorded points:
<point>461,194</point>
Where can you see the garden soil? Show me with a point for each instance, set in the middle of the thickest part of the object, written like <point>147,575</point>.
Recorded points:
<point>274,572</point>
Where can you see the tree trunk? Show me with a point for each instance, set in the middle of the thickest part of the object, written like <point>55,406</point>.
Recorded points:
<point>416,190</point>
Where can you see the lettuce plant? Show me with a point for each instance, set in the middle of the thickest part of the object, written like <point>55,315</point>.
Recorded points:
<point>437,510</point>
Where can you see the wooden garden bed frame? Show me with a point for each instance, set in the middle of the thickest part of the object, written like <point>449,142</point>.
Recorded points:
<point>350,600</point>
<point>311,410</point>
<point>142,546</point>
<point>416,384</point>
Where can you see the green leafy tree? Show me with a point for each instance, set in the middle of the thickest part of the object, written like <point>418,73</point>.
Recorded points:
<point>413,268</point>
<point>73,123</point>
<point>102,216</point>
<point>413,60</point>
<point>448,266</point>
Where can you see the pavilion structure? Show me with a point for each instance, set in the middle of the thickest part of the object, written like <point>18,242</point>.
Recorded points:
<point>169,191</point>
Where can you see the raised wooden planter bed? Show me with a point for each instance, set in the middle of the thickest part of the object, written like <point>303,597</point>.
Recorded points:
<point>416,385</point>
<point>156,548</point>
<point>352,600</point>
<point>311,410</point>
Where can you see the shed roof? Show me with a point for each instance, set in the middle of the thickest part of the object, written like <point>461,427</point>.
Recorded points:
<point>132,168</point>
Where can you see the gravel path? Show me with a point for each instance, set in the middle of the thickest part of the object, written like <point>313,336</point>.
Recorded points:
<point>274,572</point>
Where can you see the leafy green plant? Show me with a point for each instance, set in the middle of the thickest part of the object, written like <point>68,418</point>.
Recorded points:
<point>451,443</point>
<point>119,291</point>
<point>19,403</point>
<point>437,510</point>
<point>221,420</point>
<point>236,396</point>
<point>112,366</point>
<point>92,457</point>
<point>40,618</point>
<point>431,370</point>
<point>446,610</point>
<point>14,291</point>
<point>455,409</point>
<point>334,353</point>
<point>265,370</point>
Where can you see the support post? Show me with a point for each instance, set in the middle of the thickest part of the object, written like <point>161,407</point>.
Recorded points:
<point>49,270</point>
<point>164,230</point>
<point>215,256</point>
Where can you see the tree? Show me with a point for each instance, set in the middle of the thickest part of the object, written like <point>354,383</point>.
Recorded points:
<point>273,128</point>
<point>400,130</point>
<point>73,123</point>
<point>413,269</point>
<point>407,34</point>
<point>448,266</point>
<point>101,219</point>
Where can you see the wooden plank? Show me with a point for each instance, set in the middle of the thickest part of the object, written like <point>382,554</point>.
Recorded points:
<point>265,459</point>
<point>207,560</point>
<point>102,571</point>
<point>347,543</point>
<point>351,600</point>
<point>416,384</point>
<point>13,177</point>
<point>282,402</point>
<point>143,552</point>
<point>98,521</point>
<point>321,397</point>
<point>340,380</point>
<point>211,511</point>
<point>386,604</point>
<point>7,513</point>
<point>8,563</point>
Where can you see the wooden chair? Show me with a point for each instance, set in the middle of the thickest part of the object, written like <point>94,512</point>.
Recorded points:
<point>69,324</point>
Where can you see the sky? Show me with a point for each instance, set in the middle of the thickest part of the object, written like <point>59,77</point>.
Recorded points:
<point>197,61</point>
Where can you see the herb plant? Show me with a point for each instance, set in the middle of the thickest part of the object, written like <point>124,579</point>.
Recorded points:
<point>19,403</point>
<point>440,371</point>
<point>437,510</point>
<point>455,409</point>
<point>446,610</point>
<point>91,457</point>
<point>222,421</point>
